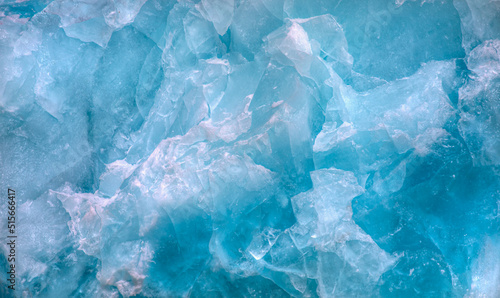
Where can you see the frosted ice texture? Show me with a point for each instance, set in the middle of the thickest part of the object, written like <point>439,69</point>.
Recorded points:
<point>252,148</point>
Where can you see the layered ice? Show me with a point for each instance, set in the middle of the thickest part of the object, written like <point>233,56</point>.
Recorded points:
<point>251,148</point>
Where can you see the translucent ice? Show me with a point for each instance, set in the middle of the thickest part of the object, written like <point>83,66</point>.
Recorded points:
<point>251,148</point>
<point>480,104</point>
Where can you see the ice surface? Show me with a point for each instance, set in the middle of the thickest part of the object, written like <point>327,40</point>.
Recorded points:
<point>252,148</point>
<point>480,104</point>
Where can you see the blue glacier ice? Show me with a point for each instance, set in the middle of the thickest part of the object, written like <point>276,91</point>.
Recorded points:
<point>251,148</point>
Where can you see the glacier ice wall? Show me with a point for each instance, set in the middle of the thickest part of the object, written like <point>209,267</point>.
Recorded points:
<point>251,148</point>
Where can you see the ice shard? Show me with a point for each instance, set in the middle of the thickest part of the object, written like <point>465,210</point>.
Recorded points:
<point>250,148</point>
